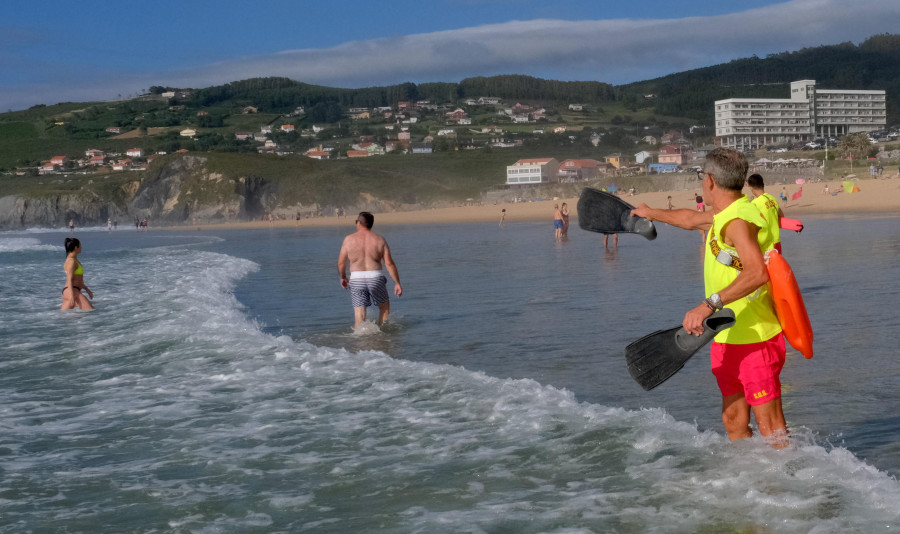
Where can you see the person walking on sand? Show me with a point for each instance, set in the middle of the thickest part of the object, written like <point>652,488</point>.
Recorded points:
<point>502,216</point>
<point>71,293</point>
<point>557,221</point>
<point>701,206</point>
<point>669,204</point>
<point>365,250</point>
<point>747,358</point>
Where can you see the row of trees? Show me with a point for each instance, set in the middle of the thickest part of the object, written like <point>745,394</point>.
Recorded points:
<point>874,63</point>
<point>282,95</point>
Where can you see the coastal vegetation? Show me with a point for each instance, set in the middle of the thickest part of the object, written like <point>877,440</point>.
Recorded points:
<point>562,119</point>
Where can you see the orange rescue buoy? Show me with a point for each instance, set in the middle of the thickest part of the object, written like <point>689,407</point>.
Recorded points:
<point>789,305</point>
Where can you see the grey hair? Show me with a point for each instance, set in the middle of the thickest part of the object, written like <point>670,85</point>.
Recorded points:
<point>728,168</point>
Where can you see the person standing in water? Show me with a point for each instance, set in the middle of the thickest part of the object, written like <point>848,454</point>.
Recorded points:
<point>557,222</point>
<point>365,250</point>
<point>564,211</point>
<point>747,358</point>
<point>71,294</point>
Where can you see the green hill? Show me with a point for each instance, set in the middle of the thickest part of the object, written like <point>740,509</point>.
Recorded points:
<point>873,64</point>
<point>679,100</point>
<point>155,123</point>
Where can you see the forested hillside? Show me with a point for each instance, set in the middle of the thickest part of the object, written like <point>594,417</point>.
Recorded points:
<point>873,64</point>
<point>280,95</point>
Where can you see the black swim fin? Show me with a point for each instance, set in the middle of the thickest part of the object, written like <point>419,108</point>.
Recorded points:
<point>654,358</point>
<point>603,212</point>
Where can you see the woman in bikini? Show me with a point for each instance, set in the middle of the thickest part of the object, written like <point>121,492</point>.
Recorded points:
<point>71,294</point>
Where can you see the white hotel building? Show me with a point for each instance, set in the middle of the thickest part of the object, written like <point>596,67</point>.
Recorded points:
<point>532,171</point>
<point>810,113</point>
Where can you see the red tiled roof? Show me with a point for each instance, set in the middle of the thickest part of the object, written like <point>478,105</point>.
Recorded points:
<point>530,161</point>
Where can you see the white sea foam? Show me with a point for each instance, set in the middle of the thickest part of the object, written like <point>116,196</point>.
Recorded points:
<point>169,408</point>
<point>20,244</point>
<point>46,230</point>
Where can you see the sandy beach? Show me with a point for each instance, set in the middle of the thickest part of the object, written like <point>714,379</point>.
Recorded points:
<point>875,196</point>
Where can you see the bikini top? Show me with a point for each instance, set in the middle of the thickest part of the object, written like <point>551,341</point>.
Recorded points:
<point>79,269</point>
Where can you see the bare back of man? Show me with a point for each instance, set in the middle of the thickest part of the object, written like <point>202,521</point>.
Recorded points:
<point>365,251</point>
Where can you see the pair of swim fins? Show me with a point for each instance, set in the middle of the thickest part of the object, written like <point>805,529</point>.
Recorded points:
<point>654,358</point>
<point>605,213</point>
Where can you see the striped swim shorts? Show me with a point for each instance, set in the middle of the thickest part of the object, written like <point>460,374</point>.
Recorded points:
<point>368,288</point>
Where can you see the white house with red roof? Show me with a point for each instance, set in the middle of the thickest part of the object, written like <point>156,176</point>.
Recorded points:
<point>532,171</point>
<point>456,114</point>
<point>93,152</point>
<point>48,168</point>
<point>373,149</point>
<point>135,152</point>
<point>317,153</point>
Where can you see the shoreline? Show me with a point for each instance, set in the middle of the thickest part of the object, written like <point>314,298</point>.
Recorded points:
<point>876,196</point>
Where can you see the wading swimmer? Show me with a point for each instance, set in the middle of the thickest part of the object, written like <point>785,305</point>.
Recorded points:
<point>71,294</point>
<point>557,222</point>
<point>365,250</point>
<point>747,358</point>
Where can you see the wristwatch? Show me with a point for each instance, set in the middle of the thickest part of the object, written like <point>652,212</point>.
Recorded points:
<point>714,302</point>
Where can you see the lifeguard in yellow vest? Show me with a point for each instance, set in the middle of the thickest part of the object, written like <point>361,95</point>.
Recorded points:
<point>768,206</point>
<point>747,358</point>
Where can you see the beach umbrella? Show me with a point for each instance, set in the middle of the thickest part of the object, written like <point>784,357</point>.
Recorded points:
<point>850,187</point>
<point>799,181</point>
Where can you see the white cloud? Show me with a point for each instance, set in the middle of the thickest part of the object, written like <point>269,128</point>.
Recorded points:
<point>614,51</point>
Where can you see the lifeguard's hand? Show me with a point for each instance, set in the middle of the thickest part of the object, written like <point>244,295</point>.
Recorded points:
<point>398,290</point>
<point>693,320</point>
<point>642,210</point>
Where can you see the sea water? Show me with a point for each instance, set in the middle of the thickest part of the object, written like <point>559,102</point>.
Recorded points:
<point>219,387</point>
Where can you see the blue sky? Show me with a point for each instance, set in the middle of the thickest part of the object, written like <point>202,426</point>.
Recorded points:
<point>54,50</point>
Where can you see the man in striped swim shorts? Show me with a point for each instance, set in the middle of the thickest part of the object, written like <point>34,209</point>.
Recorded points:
<point>365,250</point>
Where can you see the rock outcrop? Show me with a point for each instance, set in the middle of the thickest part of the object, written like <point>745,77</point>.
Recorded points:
<point>180,190</point>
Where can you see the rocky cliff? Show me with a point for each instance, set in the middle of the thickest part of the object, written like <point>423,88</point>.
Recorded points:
<point>178,190</point>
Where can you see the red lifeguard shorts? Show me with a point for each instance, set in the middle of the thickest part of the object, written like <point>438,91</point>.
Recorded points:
<point>753,369</point>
